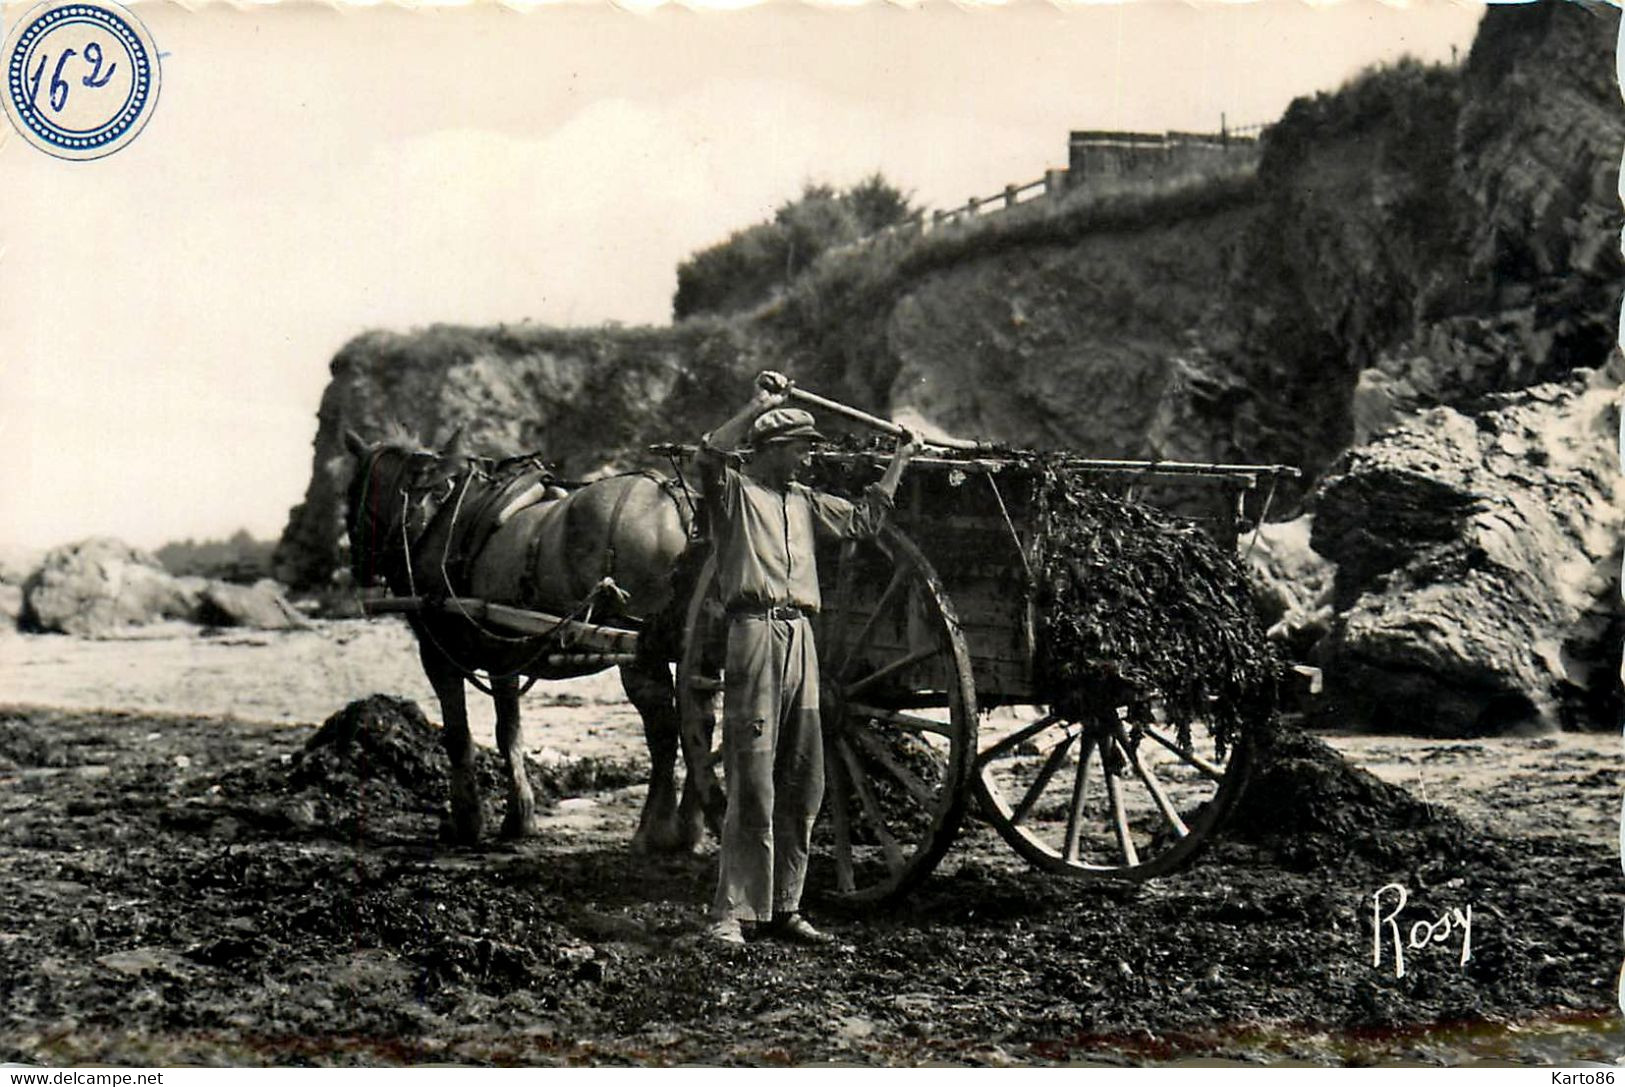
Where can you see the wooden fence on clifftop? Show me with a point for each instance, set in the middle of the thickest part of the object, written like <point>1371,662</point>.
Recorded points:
<point>1095,155</point>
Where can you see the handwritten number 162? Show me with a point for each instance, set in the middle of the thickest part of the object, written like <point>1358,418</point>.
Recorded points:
<point>59,86</point>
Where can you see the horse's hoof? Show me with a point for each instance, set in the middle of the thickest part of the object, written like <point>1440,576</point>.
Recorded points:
<point>667,844</point>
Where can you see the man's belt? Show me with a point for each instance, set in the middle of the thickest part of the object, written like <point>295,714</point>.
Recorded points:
<point>745,609</point>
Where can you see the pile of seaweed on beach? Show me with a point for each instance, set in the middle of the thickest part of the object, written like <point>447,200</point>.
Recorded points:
<point>1137,607</point>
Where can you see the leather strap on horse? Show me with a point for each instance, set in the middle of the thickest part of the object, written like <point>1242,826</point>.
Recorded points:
<point>510,486</point>
<point>608,577</point>
<point>680,486</point>
<point>679,483</point>
<point>667,487</point>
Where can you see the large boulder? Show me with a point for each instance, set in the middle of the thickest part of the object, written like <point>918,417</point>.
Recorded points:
<point>17,565</point>
<point>11,604</point>
<point>97,586</point>
<point>1292,583</point>
<point>1478,561</point>
<point>261,606</point>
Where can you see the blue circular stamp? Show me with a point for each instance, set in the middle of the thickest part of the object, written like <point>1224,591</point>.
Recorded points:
<point>81,78</point>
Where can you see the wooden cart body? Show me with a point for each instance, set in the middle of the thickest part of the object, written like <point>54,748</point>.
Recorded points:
<point>980,521</point>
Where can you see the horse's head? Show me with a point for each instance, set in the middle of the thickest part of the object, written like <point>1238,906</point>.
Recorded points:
<point>392,497</point>
<point>388,503</point>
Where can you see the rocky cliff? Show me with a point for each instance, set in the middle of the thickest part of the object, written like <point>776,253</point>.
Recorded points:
<point>1424,239</point>
<point>587,400</point>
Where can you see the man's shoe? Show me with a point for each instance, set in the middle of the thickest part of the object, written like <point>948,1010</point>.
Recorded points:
<point>727,932</point>
<point>794,928</point>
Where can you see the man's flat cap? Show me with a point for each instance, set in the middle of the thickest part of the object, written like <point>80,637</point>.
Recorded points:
<point>783,425</point>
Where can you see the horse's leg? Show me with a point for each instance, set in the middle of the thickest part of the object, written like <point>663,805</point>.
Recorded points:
<point>519,822</point>
<point>467,820</point>
<point>703,804</point>
<point>649,687</point>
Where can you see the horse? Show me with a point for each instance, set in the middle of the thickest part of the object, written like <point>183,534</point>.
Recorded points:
<point>607,551</point>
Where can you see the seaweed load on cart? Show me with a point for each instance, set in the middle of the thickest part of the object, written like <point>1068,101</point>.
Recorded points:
<point>1131,605</point>
<point>1136,606</point>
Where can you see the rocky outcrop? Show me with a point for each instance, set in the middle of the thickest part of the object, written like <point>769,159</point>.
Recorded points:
<point>261,606</point>
<point>1531,291</point>
<point>100,586</point>
<point>1292,583</point>
<point>97,586</point>
<point>1538,155</point>
<point>1433,236</point>
<point>1477,567</point>
<point>1362,218</point>
<point>1083,346</point>
<point>586,400</point>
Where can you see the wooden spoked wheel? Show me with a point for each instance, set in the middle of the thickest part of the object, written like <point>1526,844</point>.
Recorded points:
<point>898,708</point>
<point>1084,799</point>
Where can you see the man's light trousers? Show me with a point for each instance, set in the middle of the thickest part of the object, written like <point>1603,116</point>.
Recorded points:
<point>773,757</point>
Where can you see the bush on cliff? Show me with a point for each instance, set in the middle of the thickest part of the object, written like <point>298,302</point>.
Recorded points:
<point>745,270</point>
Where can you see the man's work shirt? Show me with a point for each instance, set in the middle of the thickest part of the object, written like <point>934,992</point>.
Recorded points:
<point>765,538</point>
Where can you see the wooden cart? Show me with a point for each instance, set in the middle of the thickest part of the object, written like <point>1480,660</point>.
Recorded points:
<point>930,689</point>
<point>930,695</point>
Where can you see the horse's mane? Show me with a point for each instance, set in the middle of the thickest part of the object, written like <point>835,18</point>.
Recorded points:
<point>396,433</point>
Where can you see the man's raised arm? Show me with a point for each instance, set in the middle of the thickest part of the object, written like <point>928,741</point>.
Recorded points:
<point>908,444</point>
<point>836,517</point>
<point>770,392</point>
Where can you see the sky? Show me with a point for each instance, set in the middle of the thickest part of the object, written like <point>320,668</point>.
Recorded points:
<point>168,313</point>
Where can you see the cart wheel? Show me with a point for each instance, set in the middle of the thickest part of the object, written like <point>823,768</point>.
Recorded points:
<point>898,707</point>
<point>899,715</point>
<point>1084,799</point>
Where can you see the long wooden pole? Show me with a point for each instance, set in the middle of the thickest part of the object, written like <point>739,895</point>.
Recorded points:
<point>591,637</point>
<point>875,422</point>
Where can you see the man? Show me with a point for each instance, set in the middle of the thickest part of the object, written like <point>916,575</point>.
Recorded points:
<point>765,526</point>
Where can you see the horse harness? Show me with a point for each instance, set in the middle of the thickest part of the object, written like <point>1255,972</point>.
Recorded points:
<point>510,487</point>
<point>606,587</point>
<point>476,502</point>
<point>479,500</point>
